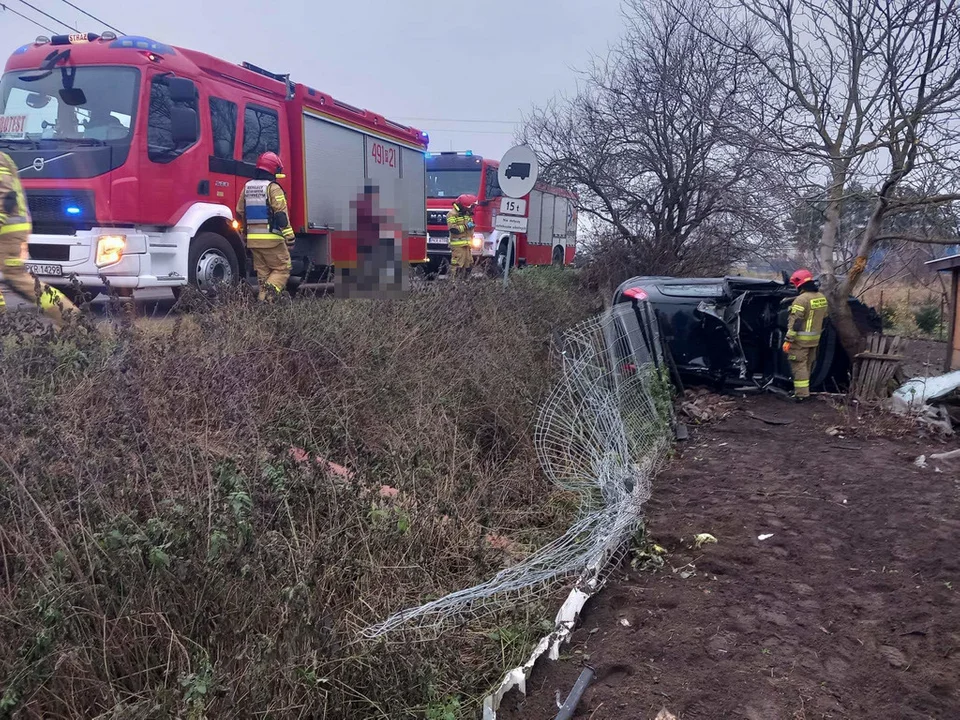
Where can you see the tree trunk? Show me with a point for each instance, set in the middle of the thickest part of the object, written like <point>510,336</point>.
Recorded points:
<point>831,225</point>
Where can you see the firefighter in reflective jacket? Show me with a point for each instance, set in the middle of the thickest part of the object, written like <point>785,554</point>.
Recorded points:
<point>15,229</point>
<point>807,313</point>
<point>460,225</point>
<point>262,210</point>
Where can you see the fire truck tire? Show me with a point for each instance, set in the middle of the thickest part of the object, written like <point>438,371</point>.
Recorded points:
<point>558,255</point>
<point>212,262</point>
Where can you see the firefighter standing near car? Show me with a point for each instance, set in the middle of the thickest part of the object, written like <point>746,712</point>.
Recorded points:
<point>460,224</point>
<point>262,211</point>
<point>15,229</point>
<point>807,314</point>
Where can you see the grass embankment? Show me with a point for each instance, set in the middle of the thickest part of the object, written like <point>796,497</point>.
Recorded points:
<point>166,550</point>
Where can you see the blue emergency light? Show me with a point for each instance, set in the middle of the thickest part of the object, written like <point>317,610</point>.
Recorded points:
<point>72,210</point>
<point>469,153</point>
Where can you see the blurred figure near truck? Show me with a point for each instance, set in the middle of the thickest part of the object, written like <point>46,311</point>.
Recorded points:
<point>381,270</point>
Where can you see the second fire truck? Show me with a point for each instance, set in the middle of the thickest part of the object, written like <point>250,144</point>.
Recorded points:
<point>551,214</point>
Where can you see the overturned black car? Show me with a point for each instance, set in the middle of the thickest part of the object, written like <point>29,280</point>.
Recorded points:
<point>727,332</point>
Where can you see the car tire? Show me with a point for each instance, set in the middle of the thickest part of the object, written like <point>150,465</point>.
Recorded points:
<point>212,262</point>
<point>558,256</point>
<point>500,258</point>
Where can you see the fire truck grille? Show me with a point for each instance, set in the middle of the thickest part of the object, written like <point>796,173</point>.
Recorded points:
<point>61,209</point>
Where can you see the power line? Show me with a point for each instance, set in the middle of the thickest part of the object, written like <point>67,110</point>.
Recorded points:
<point>36,9</point>
<point>28,19</point>
<point>459,120</point>
<point>92,17</point>
<point>472,132</point>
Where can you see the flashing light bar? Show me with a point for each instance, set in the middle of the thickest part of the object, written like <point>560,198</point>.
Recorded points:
<point>72,210</point>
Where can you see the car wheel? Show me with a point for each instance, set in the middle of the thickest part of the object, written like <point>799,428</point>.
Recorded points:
<point>500,259</point>
<point>558,256</point>
<point>212,262</point>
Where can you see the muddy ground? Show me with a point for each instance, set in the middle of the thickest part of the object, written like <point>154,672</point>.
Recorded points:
<point>850,609</point>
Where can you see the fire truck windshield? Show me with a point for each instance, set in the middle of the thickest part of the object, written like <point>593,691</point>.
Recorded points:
<point>452,183</point>
<point>93,104</point>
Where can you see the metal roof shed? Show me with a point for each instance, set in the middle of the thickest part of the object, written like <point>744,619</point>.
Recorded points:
<point>951,264</point>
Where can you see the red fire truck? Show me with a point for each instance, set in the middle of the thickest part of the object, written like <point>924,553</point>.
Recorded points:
<point>551,235</point>
<point>133,152</point>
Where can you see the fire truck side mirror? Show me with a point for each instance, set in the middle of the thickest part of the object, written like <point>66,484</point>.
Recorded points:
<point>183,125</point>
<point>182,90</point>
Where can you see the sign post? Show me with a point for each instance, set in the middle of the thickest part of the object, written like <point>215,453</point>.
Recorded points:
<point>517,175</point>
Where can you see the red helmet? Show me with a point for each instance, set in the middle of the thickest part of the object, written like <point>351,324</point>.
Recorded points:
<point>465,201</point>
<point>800,277</point>
<point>270,162</point>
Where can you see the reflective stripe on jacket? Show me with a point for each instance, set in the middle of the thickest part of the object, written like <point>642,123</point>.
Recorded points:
<point>807,314</point>
<point>259,205</point>
<point>460,233</point>
<point>14,212</point>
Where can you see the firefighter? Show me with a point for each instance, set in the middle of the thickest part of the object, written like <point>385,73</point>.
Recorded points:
<point>15,229</point>
<point>460,224</point>
<point>807,313</point>
<point>262,210</point>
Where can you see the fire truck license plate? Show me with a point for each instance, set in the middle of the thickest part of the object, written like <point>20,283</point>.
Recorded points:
<point>36,269</point>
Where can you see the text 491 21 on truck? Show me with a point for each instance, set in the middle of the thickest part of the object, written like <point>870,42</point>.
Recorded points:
<point>132,154</point>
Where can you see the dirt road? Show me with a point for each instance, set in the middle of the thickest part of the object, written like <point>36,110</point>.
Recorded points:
<point>849,609</point>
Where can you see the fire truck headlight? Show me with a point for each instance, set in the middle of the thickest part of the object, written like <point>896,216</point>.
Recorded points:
<point>110,249</point>
<point>477,241</point>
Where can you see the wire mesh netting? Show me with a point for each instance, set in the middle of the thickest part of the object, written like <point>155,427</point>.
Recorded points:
<point>602,433</point>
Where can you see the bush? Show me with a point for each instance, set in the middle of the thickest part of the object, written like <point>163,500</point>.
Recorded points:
<point>928,318</point>
<point>888,314</point>
<point>174,541</point>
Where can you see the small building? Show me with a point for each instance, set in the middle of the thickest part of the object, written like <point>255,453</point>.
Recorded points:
<point>951,264</point>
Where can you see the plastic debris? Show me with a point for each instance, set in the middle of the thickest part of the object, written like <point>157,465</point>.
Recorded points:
<point>766,536</point>
<point>703,539</point>
<point>921,462</point>
<point>952,455</point>
<point>919,391</point>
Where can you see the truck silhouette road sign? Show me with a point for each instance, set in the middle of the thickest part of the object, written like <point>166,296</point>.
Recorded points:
<point>518,170</point>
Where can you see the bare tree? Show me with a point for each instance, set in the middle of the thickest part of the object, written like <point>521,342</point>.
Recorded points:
<point>656,143</point>
<point>867,93</point>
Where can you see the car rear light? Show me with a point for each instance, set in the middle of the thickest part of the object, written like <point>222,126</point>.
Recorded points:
<point>636,293</point>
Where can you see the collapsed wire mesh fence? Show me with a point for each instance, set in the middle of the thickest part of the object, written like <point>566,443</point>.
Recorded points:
<point>602,433</point>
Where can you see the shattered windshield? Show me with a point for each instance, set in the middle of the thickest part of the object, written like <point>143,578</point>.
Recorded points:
<point>96,103</point>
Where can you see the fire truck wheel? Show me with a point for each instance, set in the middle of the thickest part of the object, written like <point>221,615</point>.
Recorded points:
<point>558,256</point>
<point>212,262</point>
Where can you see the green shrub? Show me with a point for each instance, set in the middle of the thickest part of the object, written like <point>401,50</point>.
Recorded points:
<point>928,318</point>
<point>888,314</point>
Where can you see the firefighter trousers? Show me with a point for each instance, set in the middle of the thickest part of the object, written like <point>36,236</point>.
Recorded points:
<point>461,260</point>
<point>53,303</point>
<point>802,360</point>
<point>272,265</point>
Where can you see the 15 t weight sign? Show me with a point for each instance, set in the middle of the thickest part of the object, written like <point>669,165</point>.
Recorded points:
<point>509,206</point>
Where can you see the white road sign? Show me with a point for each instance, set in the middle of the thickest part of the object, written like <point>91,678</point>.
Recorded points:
<point>518,171</point>
<point>510,206</point>
<point>511,223</point>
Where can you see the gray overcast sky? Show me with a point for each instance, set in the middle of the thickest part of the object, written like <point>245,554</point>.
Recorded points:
<point>405,59</point>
